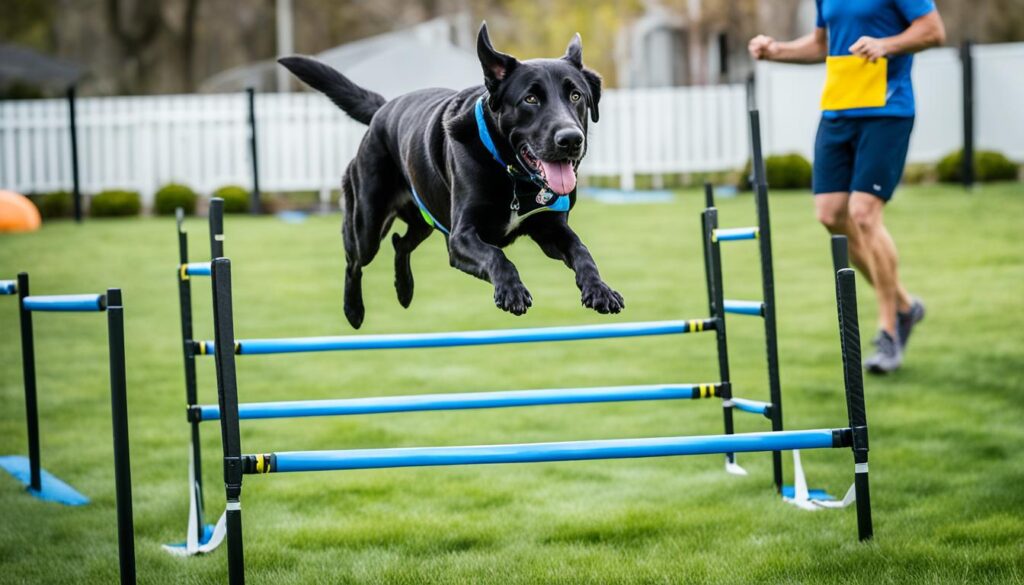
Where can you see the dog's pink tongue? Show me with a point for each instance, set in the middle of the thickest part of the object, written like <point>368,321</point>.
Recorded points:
<point>560,176</point>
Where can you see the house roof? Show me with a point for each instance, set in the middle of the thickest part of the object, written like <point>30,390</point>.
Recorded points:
<point>402,65</point>
<point>22,64</point>
<point>390,64</point>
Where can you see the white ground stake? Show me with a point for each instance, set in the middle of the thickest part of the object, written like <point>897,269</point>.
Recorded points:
<point>802,496</point>
<point>733,468</point>
<point>212,535</point>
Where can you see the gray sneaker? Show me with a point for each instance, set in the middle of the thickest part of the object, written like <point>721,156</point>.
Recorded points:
<point>905,321</point>
<point>888,355</point>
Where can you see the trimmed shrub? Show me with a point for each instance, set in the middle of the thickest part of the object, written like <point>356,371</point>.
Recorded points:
<point>173,196</point>
<point>784,171</point>
<point>988,166</point>
<point>236,199</point>
<point>114,203</point>
<point>54,205</point>
<point>789,171</point>
<point>917,174</point>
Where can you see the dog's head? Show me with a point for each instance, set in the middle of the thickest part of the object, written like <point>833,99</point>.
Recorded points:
<point>541,107</point>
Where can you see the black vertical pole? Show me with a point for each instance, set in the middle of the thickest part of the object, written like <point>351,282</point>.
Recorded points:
<point>122,453</point>
<point>188,348</point>
<point>227,397</point>
<point>715,264</point>
<point>751,87</point>
<point>723,57</point>
<point>840,253</point>
<point>967,62</point>
<point>216,228</point>
<point>28,369</point>
<point>764,237</point>
<point>254,202</point>
<point>73,131</point>
<point>846,295</point>
<point>756,156</point>
<point>709,202</point>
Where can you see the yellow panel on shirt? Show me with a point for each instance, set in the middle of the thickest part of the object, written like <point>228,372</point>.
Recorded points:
<point>852,82</point>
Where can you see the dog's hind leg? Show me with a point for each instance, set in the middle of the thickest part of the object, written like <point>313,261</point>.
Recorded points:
<point>367,218</point>
<point>417,232</point>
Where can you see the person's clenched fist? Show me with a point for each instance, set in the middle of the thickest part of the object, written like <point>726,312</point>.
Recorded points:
<point>761,47</point>
<point>870,48</point>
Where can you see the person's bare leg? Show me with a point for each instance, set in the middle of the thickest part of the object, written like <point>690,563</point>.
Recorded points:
<point>865,212</point>
<point>832,210</point>
<point>903,298</point>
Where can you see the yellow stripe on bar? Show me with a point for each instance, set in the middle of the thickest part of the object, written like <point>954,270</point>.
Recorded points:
<point>696,325</point>
<point>183,271</point>
<point>259,463</point>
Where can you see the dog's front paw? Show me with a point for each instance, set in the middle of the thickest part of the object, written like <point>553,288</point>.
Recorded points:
<point>600,297</point>
<point>513,298</point>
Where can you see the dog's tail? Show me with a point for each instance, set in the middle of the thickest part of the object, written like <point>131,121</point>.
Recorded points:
<point>358,102</point>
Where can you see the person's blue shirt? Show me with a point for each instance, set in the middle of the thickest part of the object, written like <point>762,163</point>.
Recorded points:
<point>849,20</point>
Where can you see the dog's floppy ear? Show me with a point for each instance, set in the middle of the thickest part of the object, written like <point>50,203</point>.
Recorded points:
<point>594,82</point>
<point>497,66</point>
<point>574,52</point>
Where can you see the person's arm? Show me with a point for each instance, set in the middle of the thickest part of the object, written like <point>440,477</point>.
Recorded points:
<point>923,33</point>
<point>812,48</point>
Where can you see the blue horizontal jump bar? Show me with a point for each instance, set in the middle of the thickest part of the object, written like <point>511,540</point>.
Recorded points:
<point>65,303</point>
<point>735,234</point>
<point>8,287</point>
<point>755,308</point>
<point>198,269</point>
<point>465,338</point>
<point>751,406</point>
<point>541,452</point>
<point>460,401</point>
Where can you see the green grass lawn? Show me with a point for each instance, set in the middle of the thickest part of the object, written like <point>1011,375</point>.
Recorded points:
<point>947,431</point>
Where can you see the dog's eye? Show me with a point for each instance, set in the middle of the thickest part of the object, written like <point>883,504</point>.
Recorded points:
<point>531,99</point>
<point>575,96</point>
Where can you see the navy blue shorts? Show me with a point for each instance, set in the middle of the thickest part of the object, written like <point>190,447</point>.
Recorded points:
<point>861,154</point>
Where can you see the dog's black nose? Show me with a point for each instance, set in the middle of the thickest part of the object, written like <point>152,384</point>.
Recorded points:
<point>569,138</point>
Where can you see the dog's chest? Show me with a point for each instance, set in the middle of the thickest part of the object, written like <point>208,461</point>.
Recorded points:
<point>500,227</point>
<point>514,221</point>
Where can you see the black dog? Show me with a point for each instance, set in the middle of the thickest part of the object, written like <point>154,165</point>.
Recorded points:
<point>490,165</point>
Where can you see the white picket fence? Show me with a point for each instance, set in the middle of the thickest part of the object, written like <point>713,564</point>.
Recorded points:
<point>141,143</point>
<point>304,141</point>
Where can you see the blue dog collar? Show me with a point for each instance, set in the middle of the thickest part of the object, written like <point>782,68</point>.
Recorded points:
<point>485,134</point>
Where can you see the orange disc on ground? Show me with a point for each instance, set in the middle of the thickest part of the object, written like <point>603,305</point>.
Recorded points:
<point>17,213</point>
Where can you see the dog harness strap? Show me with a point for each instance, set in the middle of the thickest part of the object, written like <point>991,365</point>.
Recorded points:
<point>427,216</point>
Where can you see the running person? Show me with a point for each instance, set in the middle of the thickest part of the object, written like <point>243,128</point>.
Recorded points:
<point>861,146</point>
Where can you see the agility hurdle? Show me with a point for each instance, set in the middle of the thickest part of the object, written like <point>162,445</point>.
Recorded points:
<point>39,482</point>
<point>199,533</point>
<point>202,537</point>
<point>238,464</point>
<point>765,308</point>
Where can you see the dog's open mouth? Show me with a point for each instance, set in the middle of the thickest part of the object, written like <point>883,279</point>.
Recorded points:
<point>560,175</point>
